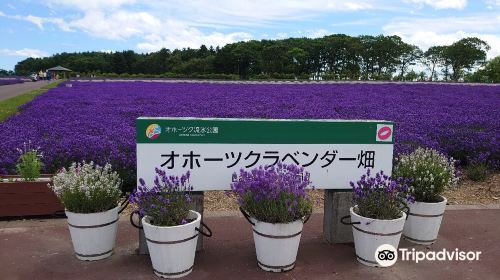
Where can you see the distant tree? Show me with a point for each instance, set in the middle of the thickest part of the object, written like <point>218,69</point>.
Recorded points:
<point>433,57</point>
<point>379,56</point>
<point>336,56</point>
<point>248,58</point>
<point>409,55</point>
<point>341,56</point>
<point>274,57</point>
<point>466,54</point>
<point>489,74</point>
<point>411,76</point>
<point>421,76</point>
<point>298,58</point>
<point>4,73</point>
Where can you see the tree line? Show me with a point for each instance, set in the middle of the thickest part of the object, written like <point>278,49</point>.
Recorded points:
<point>333,57</point>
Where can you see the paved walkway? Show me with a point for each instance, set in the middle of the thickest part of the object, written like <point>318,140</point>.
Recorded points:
<point>9,91</point>
<point>41,249</point>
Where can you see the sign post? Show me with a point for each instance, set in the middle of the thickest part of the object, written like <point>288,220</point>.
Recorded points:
<point>335,152</point>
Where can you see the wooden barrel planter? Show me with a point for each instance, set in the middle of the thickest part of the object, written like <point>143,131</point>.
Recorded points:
<point>172,249</point>
<point>20,198</point>
<point>276,245</point>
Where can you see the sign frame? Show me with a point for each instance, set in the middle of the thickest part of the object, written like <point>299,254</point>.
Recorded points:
<point>307,136</point>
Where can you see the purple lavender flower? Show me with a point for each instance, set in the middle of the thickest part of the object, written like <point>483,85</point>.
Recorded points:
<point>167,202</point>
<point>280,189</point>
<point>380,197</point>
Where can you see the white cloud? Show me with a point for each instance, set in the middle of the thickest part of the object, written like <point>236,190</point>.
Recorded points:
<point>486,22</point>
<point>353,23</point>
<point>221,13</point>
<point>177,35</point>
<point>492,4</point>
<point>154,32</point>
<point>89,5</point>
<point>317,33</point>
<point>231,13</point>
<point>40,21</point>
<point>179,23</point>
<point>440,4</point>
<point>26,52</point>
<point>282,35</point>
<point>112,20</point>
<point>426,32</point>
<point>118,25</point>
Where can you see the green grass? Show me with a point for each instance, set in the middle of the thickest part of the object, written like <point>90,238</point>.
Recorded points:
<point>8,107</point>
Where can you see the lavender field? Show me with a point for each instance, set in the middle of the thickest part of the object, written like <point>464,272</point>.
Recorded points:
<point>10,81</point>
<point>96,120</point>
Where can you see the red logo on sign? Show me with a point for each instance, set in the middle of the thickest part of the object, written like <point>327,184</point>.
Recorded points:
<point>384,133</point>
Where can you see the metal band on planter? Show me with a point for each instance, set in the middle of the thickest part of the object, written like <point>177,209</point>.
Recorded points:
<point>419,240</point>
<point>93,255</point>
<point>277,236</point>
<point>95,226</point>
<point>203,225</point>
<point>123,205</point>
<point>365,260</point>
<point>377,233</point>
<point>173,273</point>
<point>282,267</point>
<point>200,230</point>
<point>245,214</point>
<point>172,242</point>
<point>426,216</point>
<point>342,220</point>
<point>131,218</point>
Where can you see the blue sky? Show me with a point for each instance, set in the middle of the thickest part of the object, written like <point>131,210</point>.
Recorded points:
<point>42,28</point>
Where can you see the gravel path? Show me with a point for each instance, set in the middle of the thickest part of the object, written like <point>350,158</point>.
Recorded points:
<point>9,91</point>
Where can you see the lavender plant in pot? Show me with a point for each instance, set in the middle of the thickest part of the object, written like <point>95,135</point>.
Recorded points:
<point>90,194</point>
<point>275,202</point>
<point>377,216</point>
<point>430,173</point>
<point>170,227</point>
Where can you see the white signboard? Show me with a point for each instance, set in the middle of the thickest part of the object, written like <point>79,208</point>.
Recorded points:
<point>333,152</point>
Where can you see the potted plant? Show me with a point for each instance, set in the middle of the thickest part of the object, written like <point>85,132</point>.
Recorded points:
<point>90,194</point>
<point>27,194</point>
<point>170,227</point>
<point>430,173</point>
<point>275,202</point>
<point>377,217</point>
